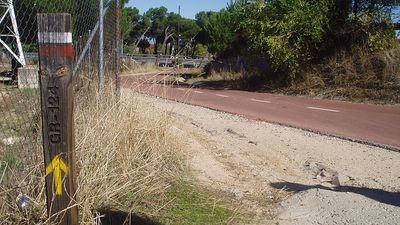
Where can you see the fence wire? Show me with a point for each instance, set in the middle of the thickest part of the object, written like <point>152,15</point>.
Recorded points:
<point>20,116</point>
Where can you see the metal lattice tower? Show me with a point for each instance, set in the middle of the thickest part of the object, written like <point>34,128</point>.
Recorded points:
<point>8,33</point>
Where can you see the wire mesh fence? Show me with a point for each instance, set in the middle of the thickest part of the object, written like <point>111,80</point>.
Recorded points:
<point>20,115</point>
<point>19,67</point>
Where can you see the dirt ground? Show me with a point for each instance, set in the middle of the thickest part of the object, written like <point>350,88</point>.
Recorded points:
<point>281,175</point>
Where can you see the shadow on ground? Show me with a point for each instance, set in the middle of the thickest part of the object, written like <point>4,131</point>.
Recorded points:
<point>214,84</point>
<point>252,83</point>
<point>386,197</point>
<point>123,218</point>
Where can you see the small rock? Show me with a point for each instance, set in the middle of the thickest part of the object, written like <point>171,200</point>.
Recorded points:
<point>237,193</point>
<point>252,142</point>
<point>326,184</point>
<point>180,79</point>
<point>212,132</point>
<point>229,130</point>
<point>340,179</point>
<point>321,167</point>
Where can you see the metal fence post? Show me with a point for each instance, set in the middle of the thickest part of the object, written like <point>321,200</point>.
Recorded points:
<point>89,58</point>
<point>101,45</point>
<point>55,62</point>
<point>117,48</point>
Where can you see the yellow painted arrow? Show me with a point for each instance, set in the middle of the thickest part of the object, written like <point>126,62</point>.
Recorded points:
<point>57,165</point>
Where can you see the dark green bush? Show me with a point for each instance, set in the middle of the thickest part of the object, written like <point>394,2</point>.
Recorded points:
<point>295,34</point>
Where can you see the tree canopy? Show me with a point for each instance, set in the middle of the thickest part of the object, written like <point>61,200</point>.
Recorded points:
<point>160,27</point>
<point>292,33</point>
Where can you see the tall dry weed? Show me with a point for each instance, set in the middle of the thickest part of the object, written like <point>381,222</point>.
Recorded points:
<point>131,66</point>
<point>126,153</point>
<point>357,75</point>
<point>125,156</point>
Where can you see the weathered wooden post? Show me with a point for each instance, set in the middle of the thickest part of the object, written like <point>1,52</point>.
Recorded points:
<point>55,59</point>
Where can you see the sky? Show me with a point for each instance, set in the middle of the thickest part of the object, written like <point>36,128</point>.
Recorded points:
<point>189,8</point>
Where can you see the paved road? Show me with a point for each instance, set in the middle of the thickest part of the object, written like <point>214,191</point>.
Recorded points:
<point>373,124</point>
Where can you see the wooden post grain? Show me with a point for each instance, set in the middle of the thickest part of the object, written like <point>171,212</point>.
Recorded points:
<point>55,59</point>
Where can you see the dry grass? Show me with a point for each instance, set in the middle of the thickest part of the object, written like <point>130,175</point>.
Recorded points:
<point>358,75</point>
<point>131,67</point>
<point>227,75</point>
<point>125,155</point>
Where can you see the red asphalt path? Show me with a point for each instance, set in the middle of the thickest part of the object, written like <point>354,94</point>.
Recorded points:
<point>372,124</point>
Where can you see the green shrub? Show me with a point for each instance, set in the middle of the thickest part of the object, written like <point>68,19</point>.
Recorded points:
<point>289,32</point>
<point>295,34</point>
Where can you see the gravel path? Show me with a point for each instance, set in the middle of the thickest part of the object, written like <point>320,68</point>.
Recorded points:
<point>285,176</point>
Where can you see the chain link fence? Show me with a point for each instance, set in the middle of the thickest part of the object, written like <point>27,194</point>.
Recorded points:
<point>20,116</point>
<point>19,88</point>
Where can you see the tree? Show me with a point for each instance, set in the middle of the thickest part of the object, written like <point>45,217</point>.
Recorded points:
<point>287,31</point>
<point>84,15</point>
<point>294,33</point>
<point>188,30</point>
<point>168,33</point>
<point>201,20</point>
<point>169,28</point>
<point>130,19</point>
<point>143,45</point>
<point>201,50</point>
<point>220,29</point>
<point>158,19</point>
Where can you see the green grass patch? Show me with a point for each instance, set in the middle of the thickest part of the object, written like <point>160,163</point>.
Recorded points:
<point>190,205</point>
<point>182,203</point>
<point>9,160</point>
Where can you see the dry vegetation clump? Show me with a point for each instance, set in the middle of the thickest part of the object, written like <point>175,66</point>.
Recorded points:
<point>126,153</point>
<point>132,67</point>
<point>233,73</point>
<point>354,75</point>
<point>126,157</point>
<point>357,75</point>
<point>21,156</point>
<point>227,75</point>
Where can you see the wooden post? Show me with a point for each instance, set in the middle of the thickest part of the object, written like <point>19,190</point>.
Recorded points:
<point>55,59</point>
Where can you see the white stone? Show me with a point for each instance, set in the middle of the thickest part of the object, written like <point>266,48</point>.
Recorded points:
<point>237,193</point>
<point>340,179</point>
